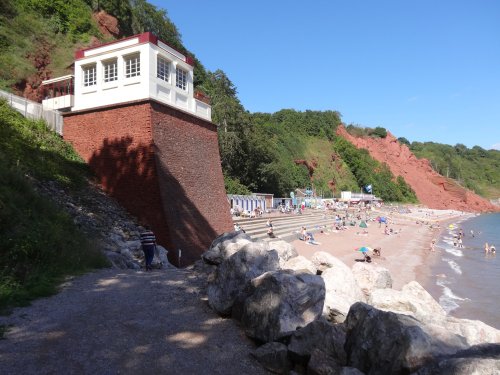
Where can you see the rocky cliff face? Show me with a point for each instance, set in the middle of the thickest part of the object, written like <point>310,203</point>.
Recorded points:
<point>431,188</point>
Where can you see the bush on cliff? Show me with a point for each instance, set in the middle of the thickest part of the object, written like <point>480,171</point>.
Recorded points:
<point>39,243</point>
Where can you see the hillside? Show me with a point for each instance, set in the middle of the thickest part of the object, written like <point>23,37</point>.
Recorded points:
<point>432,189</point>
<point>265,152</point>
<point>476,169</point>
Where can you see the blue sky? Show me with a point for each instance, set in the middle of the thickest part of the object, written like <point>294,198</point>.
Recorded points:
<point>424,70</point>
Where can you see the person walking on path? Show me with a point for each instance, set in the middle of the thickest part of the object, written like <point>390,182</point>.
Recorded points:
<point>148,242</point>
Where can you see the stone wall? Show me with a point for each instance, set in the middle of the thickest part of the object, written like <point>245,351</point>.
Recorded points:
<point>162,165</point>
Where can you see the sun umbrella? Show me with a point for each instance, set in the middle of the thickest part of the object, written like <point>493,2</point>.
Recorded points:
<point>363,224</point>
<point>365,249</point>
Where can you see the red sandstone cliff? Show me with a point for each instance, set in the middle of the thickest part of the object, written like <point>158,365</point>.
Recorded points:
<point>432,189</point>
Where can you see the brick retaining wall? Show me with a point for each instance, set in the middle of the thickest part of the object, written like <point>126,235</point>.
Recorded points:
<point>162,165</point>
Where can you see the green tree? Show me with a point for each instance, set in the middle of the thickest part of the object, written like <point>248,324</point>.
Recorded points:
<point>404,141</point>
<point>379,132</point>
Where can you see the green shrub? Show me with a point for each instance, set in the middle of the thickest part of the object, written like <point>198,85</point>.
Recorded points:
<point>39,243</point>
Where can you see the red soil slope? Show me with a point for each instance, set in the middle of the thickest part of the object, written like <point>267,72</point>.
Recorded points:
<point>432,189</point>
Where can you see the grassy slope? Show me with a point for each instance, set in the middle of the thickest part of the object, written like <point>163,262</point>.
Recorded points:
<point>330,167</point>
<point>475,169</point>
<point>39,244</point>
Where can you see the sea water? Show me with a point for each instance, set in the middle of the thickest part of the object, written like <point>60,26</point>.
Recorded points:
<point>466,280</point>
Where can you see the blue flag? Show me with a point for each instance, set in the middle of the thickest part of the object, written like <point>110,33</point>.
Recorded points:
<point>368,188</point>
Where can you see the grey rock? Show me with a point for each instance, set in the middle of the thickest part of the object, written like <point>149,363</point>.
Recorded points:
<point>413,300</point>
<point>133,245</point>
<point>478,360</point>
<point>299,263</point>
<point>324,364</point>
<point>323,260</point>
<point>126,253</point>
<point>232,275</point>
<point>370,276</point>
<point>474,331</point>
<point>380,342</point>
<point>321,363</point>
<point>224,246</point>
<point>285,250</point>
<point>341,290</point>
<point>117,260</point>
<point>281,301</point>
<point>273,356</point>
<point>321,334</point>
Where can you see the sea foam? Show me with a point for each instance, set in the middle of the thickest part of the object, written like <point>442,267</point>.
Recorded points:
<point>454,266</point>
<point>455,252</point>
<point>448,298</point>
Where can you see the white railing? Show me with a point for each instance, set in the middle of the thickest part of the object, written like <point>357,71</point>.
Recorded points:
<point>35,111</point>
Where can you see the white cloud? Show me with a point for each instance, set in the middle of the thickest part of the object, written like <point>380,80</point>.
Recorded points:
<point>496,146</point>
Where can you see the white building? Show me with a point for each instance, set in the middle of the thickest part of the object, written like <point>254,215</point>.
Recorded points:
<point>135,68</point>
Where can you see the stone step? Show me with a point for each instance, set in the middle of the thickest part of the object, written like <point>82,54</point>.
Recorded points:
<point>291,230</point>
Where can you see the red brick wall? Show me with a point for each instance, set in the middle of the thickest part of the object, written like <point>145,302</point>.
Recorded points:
<point>162,165</point>
<point>191,180</point>
<point>117,144</point>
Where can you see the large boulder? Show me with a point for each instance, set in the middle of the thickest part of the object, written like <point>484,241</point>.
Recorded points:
<point>232,275</point>
<point>300,263</point>
<point>413,300</point>
<point>323,364</point>
<point>341,291</point>
<point>224,246</point>
<point>474,331</point>
<point>285,250</point>
<point>160,259</point>
<point>381,342</point>
<point>323,260</point>
<point>321,335</point>
<point>274,357</point>
<point>370,276</point>
<point>279,302</point>
<point>478,360</point>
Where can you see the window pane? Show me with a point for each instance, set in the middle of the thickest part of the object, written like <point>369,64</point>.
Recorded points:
<point>163,69</point>
<point>110,71</point>
<point>181,78</point>
<point>89,75</point>
<point>132,66</point>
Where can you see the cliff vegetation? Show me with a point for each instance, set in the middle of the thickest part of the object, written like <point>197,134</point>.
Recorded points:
<point>265,152</point>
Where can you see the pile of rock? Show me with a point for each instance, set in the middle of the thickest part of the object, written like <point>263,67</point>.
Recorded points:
<point>319,316</point>
<point>104,221</point>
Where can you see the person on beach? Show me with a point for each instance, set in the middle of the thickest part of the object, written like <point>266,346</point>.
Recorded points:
<point>148,242</point>
<point>486,247</point>
<point>472,233</point>
<point>238,228</point>
<point>270,233</point>
<point>306,236</point>
<point>460,242</point>
<point>433,245</point>
<point>492,249</point>
<point>269,223</point>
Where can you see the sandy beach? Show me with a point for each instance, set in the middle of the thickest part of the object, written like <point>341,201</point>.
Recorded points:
<point>406,253</point>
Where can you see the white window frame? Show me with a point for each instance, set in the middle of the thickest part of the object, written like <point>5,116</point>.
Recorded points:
<point>132,65</point>
<point>110,70</point>
<point>163,69</point>
<point>89,75</point>
<point>181,78</point>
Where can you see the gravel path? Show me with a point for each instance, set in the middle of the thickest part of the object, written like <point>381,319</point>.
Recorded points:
<point>125,322</point>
